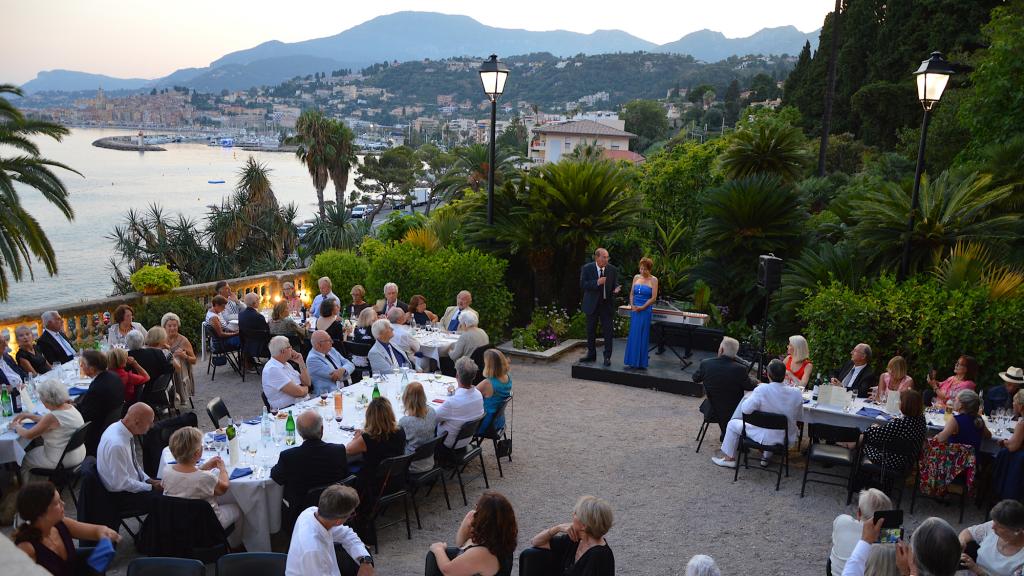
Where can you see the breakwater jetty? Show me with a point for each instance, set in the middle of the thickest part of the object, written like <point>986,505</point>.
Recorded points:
<point>130,143</point>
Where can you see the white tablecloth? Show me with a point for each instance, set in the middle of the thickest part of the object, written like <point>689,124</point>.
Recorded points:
<point>12,446</point>
<point>813,413</point>
<point>433,344</point>
<point>258,496</point>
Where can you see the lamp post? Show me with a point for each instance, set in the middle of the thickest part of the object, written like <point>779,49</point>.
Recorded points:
<point>492,75</point>
<point>932,77</point>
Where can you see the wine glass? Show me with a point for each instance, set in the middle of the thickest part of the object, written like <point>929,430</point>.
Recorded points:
<point>323,398</point>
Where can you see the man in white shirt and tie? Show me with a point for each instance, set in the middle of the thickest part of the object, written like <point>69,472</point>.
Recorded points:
<point>403,338</point>
<point>118,464</point>
<point>327,367</point>
<point>53,342</point>
<point>466,405</point>
<point>463,302</point>
<point>384,356</point>
<point>775,397</point>
<point>318,528</point>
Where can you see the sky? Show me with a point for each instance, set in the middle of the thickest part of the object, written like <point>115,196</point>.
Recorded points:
<point>152,38</point>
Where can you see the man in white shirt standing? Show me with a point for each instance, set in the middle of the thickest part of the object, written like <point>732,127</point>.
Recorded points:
<point>466,405</point>
<point>118,464</point>
<point>319,528</point>
<point>283,384</point>
<point>775,397</point>
<point>326,291</point>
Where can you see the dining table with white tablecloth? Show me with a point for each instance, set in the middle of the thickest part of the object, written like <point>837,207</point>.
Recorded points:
<point>258,496</point>
<point>12,446</point>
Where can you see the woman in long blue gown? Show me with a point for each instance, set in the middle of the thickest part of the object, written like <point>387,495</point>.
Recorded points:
<point>642,296</point>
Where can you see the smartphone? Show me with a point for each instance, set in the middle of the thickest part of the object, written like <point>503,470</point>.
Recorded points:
<point>892,529</point>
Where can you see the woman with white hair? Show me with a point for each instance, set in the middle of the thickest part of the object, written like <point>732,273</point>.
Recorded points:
<point>702,565</point>
<point>183,355</point>
<point>54,428</point>
<point>282,383</point>
<point>846,529</point>
<point>966,426</point>
<point>798,362</point>
<point>998,544</point>
<point>471,336</point>
<point>29,356</point>
<point>153,357</point>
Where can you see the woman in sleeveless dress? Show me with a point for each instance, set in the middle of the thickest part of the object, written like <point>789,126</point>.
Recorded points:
<point>495,387</point>
<point>184,358</point>
<point>484,543</point>
<point>642,296</point>
<point>798,362</point>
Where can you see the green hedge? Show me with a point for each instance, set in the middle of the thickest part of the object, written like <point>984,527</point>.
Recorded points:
<point>344,268</point>
<point>191,312</point>
<point>921,320</point>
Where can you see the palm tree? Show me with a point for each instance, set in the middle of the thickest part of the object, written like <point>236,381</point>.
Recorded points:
<point>471,166</point>
<point>754,215</point>
<point>816,266</point>
<point>313,134</point>
<point>587,152</point>
<point>953,207</point>
<point>770,148</point>
<point>969,264</point>
<point>21,236</point>
<point>342,141</point>
<point>336,230</point>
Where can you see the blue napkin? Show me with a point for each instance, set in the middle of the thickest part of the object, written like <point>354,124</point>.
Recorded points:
<point>873,413</point>
<point>76,391</point>
<point>808,401</point>
<point>253,422</point>
<point>240,472</point>
<point>27,424</point>
<point>101,555</point>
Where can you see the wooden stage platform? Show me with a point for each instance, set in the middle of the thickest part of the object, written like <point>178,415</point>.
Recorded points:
<point>664,373</point>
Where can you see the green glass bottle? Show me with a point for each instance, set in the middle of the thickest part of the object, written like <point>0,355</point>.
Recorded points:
<point>289,430</point>
<point>5,402</point>
<point>376,391</point>
<point>230,430</point>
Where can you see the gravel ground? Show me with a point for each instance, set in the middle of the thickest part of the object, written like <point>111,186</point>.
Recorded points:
<point>634,448</point>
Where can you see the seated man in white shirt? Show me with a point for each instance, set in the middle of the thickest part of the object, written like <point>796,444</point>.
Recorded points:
<point>466,405</point>
<point>326,291</point>
<point>775,397</point>
<point>318,529</point>
<point>846,529</point>
<point>327,367</point>
<point>118,464</point>
<point>403,338</point>
<point>283,384</point>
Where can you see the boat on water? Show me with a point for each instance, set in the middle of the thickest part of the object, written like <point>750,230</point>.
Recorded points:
<point>214,181</point>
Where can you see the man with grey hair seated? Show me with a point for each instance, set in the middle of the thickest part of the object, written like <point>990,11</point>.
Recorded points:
<point>308,465</point>
<point>326,291</point>
<point>384,356</point>
<point>282,383</point>
<point>403,338</point>
<point>390,300</point>
<point>327,367</point>
<point>471,336</point>
<point>251,325</point>
<point>724,379</point>
<point>856,374</point>
<point>466,405</point>
<point>53,342</point>
<point>702,565</point>
<point>450,318</point>
<point>318,528</point>
<point>846,529</point>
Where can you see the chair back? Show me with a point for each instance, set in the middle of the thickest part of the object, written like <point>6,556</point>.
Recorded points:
<point>468,430</point>
<point>499,416</point>
<point>156,439</point>
<point>391,474</point>
<point>166,567</point>
<point>478,356</point>
<point>154,392</point>
<point>266,402</point>
<point>831,433</point>
<point>256,342</point>
<point>356,349</point>
<point>314,493</point>
<point>216,410</point>
<point>767,420</point>
<point>427,449</point>
<point>76,440</point>
<point>183,528</point>
<point>252,564</point>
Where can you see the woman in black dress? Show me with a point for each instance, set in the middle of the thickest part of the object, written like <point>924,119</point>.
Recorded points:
<point>29,357</point>
<point>381,438</point>
<point>579,546</point>
<point>910,426</point>
<point>484,543</point>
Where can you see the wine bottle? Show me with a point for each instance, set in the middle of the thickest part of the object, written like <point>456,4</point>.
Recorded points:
<point>5,402</point>
<point>233,454</point>
<point>289,430</point>
<point>376,391</point>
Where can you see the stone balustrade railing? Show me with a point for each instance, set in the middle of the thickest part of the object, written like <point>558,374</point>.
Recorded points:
<point>86,322</point>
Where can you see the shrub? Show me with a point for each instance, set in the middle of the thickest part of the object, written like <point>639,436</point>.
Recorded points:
<point>921,320</point>
<point>344,268</point>
<point>397,224</point>
<point>188,309</point>
<point>439,276</point>
<point>155,279</point>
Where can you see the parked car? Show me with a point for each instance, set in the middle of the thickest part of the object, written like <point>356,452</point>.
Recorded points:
<point>360,210</point>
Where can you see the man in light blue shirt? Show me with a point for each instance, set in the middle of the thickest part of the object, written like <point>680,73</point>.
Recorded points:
<point>327,367</point>
<point>326,291</point>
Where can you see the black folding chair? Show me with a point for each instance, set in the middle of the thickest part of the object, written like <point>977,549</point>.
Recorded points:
<point>390,487</point>
<point>890,476</point>
<point>314,493</point>
<point>824,449</point>
<point>166,567</point>
<point>708,409</point>
<point>501,442</point>
<point>352,349</point>
<point>461,458</point>
<point>765,421</point>
<point>216,410</point>
<point>252,564</point>
<point>220,353</point>
<point>156,393</point>
<point>63,476</point>
<point>255,344</point>
<point>429,478</point>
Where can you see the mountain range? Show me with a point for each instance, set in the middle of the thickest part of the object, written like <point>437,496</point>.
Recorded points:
<point>406,36</point>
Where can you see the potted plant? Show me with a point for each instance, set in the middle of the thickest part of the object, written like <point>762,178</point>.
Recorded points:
<point>155,279</point>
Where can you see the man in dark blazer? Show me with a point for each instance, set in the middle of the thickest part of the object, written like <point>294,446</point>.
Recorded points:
<point>599,282</point>
<point>53,343</point>
<point>308,465</point>
<point>725,380</point>
<point>250,320</point>
<point>856,374</point>
<point>102,404</point>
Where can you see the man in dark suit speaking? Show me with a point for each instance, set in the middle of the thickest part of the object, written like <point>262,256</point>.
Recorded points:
<point>724,381</point>
<point>599,282</point>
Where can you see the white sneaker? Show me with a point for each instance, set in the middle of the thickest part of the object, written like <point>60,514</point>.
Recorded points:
<point>723,462</point>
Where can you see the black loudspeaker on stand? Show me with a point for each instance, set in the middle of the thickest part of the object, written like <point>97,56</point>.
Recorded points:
<point>769,278</point>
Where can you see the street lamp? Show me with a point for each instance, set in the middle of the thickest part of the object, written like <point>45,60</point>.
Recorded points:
<point>932,77</point>
<point>492,75</point>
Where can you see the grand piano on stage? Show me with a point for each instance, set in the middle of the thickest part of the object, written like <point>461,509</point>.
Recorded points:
<point>671,327</point>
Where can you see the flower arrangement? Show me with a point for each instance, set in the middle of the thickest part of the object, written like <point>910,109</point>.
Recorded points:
<point>155,279</point>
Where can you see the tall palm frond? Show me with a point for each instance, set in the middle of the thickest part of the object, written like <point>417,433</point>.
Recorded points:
<point>344,158</point>
<point>971,264</point>
<point>754,215</point>
<point>768,148</point>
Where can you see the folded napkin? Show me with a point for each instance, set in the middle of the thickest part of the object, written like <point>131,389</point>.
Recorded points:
<point>240,472</point>
<point>873,413</point>
<point>101,555</point>
<point>808,401</point>
<point>76,391</point>
<point>27,424</point>
<point>253,421</point>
